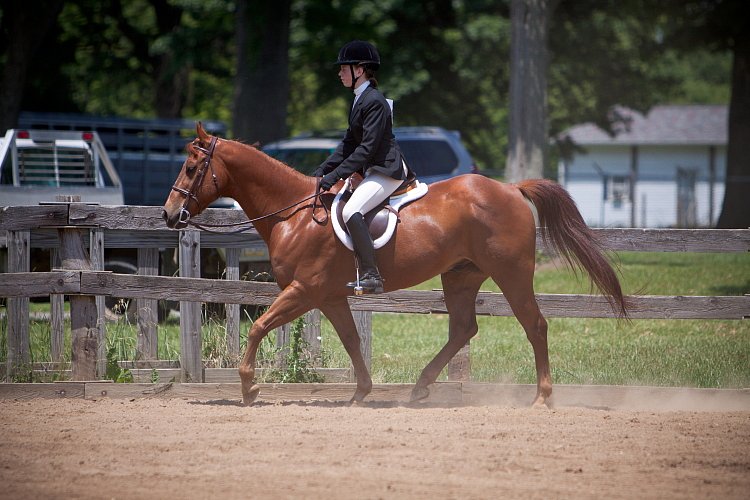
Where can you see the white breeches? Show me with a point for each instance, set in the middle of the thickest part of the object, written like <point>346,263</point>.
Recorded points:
<point>370,193</point>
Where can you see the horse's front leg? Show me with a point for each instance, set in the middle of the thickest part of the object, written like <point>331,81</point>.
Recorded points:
<point>340,316</point>
<point>291,303</point>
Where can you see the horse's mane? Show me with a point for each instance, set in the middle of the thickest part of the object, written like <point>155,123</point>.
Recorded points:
<point>254,149</point>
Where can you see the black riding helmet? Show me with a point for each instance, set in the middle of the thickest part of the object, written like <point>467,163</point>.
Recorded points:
<point>358,52</point>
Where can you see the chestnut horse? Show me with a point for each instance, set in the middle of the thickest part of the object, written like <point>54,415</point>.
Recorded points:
<point>466,229</point>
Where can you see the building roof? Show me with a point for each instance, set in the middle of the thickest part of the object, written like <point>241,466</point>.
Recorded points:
<point>667,124</point>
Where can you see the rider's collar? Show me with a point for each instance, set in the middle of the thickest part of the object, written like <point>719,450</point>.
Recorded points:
<point>358,91</point>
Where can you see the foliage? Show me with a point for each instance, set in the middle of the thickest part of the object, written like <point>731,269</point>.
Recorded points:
<point>110,58</point>
<point>114,372</point>
<point>214,343</point>
<point>698,353</point>
<point>296,365</point>
<point>689,353</point>
<point>444,62</point>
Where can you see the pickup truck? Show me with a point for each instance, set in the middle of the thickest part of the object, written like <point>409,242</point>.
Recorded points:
<point>43,165</point>
<point>39,166</point>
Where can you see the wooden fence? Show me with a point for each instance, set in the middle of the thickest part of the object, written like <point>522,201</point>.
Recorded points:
<point>68,228</point>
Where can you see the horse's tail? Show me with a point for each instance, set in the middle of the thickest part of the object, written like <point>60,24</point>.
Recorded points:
<point>564,230</point>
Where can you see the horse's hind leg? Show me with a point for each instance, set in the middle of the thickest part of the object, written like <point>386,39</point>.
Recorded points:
<point>517,284</point>
<point>340,316</point>
<point>460,287</point>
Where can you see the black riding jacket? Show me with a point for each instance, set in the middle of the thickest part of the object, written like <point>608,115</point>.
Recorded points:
<point>369,142</point>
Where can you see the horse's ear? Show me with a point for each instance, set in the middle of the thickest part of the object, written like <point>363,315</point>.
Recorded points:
<point>202,135</point>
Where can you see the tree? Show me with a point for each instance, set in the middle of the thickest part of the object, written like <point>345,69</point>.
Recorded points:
<point>634,58</point>
<point>604,54</point>
<point>262,81</point>
<point>722,25</point>
<point>735,211</point>
<point>444,64</point>
<point>528,88</point>
<point>24,28</point>
<point>169,74</point>
<point>140,58</point>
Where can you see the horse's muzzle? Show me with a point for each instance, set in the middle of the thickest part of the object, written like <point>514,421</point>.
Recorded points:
<point>177,221</point>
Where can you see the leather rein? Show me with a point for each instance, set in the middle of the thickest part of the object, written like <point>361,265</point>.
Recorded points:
<point>185,216</point>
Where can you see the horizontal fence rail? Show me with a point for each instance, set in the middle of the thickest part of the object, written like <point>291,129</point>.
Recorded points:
<point>120,219</point>
<point>80,233</point>
<point>403,301</point>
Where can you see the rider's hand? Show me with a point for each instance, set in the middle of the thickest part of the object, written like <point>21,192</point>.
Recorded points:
<point>328,181</point>
<point>319,172</point>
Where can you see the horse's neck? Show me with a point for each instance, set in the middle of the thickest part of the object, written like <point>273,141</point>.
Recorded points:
<point>262,185</point>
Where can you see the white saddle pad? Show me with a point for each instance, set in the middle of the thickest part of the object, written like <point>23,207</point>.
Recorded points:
<point>396,203</point>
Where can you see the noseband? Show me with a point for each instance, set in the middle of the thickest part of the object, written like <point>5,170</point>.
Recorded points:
<point>197,181</point>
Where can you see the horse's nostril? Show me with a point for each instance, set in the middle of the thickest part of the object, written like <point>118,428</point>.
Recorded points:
<point>166,218</point>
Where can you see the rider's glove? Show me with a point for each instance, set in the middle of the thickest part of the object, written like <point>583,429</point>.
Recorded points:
<point>328,181</point>
<point>319,172</point>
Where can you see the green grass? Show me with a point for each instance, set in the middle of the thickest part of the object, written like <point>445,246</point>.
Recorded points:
<point>695,353</point>
<point>122,338</point>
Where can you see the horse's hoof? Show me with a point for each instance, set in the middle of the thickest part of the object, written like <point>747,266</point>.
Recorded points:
<point>249,396</point>
<point>419,393</point>
<point>542,403</point>
<point>358,398</point>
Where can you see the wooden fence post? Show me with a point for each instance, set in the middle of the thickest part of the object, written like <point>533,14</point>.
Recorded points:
<point>311,332</point>
<point>191,361</point>
<point>283,339</point>
<point>363,320</point>
<point>96,255</point>
<point>18,356</point>
<point>148,309</point>
<point>83,312</point>
<point>459,367</point>
<point>233,310</point>
<point>57,314</point>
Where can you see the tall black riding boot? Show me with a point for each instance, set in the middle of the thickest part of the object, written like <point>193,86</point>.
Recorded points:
<point>370,279</point>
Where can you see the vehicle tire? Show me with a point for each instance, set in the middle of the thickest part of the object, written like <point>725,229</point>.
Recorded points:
<point>118,307</point>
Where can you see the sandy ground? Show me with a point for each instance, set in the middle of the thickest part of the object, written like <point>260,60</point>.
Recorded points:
<point>186,448</point>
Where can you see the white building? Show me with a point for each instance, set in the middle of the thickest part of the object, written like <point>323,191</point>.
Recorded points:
<point>665,169</point>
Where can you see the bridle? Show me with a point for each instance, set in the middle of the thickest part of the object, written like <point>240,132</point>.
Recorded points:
<point>198,180</point>
<point>189,195</point>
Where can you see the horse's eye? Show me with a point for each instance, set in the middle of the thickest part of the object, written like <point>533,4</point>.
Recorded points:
<point>190,165</point>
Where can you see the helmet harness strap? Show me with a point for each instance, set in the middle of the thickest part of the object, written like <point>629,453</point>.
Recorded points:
<point>354,80</point>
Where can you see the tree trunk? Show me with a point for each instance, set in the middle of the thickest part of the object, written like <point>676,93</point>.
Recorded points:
<point>171,77</point>
<point>29,22</point>
<point>735,212</point>
<point>527,142</point>
<point>262,81</point>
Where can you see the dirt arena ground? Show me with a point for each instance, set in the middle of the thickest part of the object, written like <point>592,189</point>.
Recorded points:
<point>189,448</point>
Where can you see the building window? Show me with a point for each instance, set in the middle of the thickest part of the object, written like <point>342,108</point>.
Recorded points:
<point>617,189</point>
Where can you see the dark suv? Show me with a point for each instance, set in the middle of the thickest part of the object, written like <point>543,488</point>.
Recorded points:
<point>432,152</point>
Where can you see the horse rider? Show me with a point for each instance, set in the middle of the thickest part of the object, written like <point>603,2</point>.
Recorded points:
<point>369,147</point>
